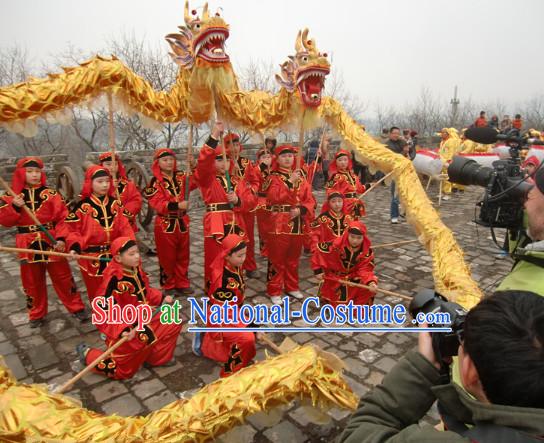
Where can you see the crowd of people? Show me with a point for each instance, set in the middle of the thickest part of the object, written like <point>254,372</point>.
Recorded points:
<point>272,196</point>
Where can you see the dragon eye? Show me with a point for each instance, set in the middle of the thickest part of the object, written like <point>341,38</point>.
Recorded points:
<point>305,59</point>
<point>197,26</point>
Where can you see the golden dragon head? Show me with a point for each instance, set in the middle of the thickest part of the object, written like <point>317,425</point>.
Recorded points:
<point>305,71</point>
<point>201,39</point>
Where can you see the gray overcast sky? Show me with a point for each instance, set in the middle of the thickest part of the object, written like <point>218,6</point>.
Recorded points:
<point>386,50</point>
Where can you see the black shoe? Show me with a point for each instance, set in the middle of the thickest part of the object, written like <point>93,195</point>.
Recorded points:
<point>81,351</point>
<point>185,291</point>
<point>168,364</point>
<point>82,316</point>
<point>251,274</point>
<point>36,323</point>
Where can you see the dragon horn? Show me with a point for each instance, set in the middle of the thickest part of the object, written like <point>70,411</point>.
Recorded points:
<point>304,40</point>
<point>205,14</point>
<point>298,43</point>
<point>187,16</point>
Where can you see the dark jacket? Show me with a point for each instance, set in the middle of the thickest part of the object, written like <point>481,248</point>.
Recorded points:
<point>398,145</point>
<point>391,412</point>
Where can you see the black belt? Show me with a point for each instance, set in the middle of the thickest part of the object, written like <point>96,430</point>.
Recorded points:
<point>350,195</point>
<point>102,248</point>
<point>33,228</point>
<point>215,207</point>
<point>173,217</point>
<point>279,208</point>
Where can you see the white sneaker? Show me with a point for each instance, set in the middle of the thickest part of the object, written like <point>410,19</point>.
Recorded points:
<point>276,299</point>
<point>446,197</point>
<point>395,220</point>
<point>296,294</point>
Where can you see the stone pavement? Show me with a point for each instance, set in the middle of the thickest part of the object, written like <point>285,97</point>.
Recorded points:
<point>47,355</point>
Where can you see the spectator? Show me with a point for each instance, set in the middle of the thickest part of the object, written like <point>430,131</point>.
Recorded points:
<point>385,134</point>
<point>481,122</point>
<point>506,124</point>
<point>396,144</point>
<point>494,122</point>
<point>501,367</point>
<point>517,123</point>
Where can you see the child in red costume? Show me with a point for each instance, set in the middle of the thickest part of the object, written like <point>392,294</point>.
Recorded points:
<point>94,223</point>
<point>127,191</point>
<point>225,202</point>
<point>262,168</point>
<point>349,257</point>
<point>234,350</point>
<point>290,202</point>
<point>242,168</point>
<point>332,221</point>
<point>343,179</point>
<point>126,283</point>
<point>167,194</point>
<point>49,207</point>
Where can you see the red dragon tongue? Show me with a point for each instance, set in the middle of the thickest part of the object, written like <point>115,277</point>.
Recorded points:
<point>310,89</point>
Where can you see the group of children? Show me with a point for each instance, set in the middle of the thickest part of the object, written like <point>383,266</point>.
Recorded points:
<point>272,191</point>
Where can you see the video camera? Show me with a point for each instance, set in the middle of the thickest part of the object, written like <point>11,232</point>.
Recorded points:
<point>445,344</point>
<point>504,183</point>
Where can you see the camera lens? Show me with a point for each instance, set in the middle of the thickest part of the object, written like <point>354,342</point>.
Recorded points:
<point>466,171</point>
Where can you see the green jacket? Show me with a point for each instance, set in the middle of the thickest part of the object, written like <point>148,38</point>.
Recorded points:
<point>527,276</point>
<point>391,412</point>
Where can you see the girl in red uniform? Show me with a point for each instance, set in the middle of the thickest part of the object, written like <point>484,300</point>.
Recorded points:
<point>225,202</point>
<point>290,202</point>
<point>332,221</point>
<point>167,193</point>
<point>95,222</point>
<point>349,257</point>
<point>126,283</point>
<point>234,350</point>
<point>343,179</point>
<point>49,207</point>
<point>126,190</point>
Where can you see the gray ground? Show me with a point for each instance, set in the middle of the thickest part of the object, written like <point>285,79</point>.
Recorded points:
<point>47,355</point>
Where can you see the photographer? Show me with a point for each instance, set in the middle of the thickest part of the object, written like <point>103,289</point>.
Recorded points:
<point>528,271</point>
<point>501,364</point>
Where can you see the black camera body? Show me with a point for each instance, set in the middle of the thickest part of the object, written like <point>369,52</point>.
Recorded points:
<point>504,183</point>
<point>445,344</point>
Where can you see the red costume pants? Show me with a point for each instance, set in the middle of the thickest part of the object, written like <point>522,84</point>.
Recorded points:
<point>34,285</point>
<point>263,227</point>
<point>173,253</point>
<point>283,257</point>
<point>130,356</point>
<point>212,248</point>
<point>234,349</point>
<point>249,221</point>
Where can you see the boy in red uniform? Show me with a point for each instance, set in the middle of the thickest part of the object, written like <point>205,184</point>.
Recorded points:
<point>126,189</point>
<point>349,257</point>
<point>126,283</point>
<point>225,202</point>
<point>242,168</point>
<point>49,207</point>
<point>332,221</point>
<point>289,200</point>
<point>167,194</point>
<point>262,168</point>
<point>343,179</point>
<point>94,223</point>
<point>234,350</point>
